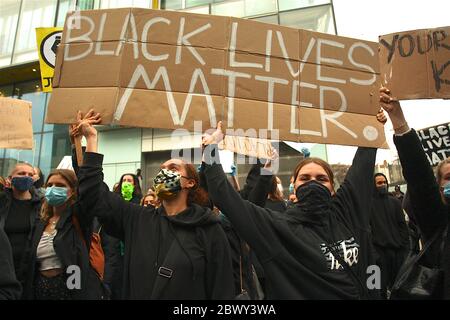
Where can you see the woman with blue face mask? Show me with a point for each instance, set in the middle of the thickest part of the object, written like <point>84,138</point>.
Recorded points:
<point>59,248</point>
<point>429,196</point>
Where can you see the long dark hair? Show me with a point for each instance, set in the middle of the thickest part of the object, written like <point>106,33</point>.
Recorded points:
<point>137,187</point>
<point>196,194</point>
<point>274,192</point>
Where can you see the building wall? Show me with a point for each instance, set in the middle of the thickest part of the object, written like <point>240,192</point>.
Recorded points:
<point>125,149</point>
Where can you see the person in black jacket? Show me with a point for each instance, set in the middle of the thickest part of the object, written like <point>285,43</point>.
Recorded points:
<point>389,232</point>
<point>59,267</point>
<point>321,249</point>
<point>129,188</point>
<point>428,196</point>
<point>10,288</point>
<point>178,251</point>
<point>19,209</point>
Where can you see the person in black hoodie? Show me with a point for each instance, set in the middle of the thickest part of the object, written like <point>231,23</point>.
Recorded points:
<point>321,249</point>
<point>129,188</point>
<point>389,232</point>
<point>10,288</point>
<point>60,245</point>
<point>19,209</point>
<point>178,251</point>
<point>429,197</point>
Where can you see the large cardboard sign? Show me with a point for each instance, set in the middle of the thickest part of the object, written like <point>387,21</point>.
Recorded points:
<point>16,128</point>
<point>416,64</point>
<point>436,142</point>
<point>164,69</point>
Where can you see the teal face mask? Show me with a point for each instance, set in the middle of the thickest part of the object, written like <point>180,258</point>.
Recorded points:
<point>56,196</point>
<point>446,191</point>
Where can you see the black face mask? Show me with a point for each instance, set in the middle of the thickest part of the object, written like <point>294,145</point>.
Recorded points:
<point>313,193</point>
<point>382,190</point>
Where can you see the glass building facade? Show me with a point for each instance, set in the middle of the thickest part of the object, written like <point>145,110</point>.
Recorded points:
<point>125,149</point>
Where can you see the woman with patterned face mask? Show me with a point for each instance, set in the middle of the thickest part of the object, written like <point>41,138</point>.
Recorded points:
<point>429,196</point>
<point>176,251</point>
<point>59,244</point>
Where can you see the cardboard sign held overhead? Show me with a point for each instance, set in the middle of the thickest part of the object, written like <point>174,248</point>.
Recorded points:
<point>436,142</point>
<point>416,64</point>
<point>252,147</point>
<point>16,128</point>
<point>164,69</point>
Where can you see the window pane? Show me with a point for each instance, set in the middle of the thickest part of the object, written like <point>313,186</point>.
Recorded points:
<point>232,9</point>
<point>30,91</point>
<point>9,14</point>
<point>316,19</point>
<point>85,4</point>
<point>257,7</point>
<point>195,3</point>
<point>105,4</point>
<point>202,10</point>
<point>267,19</point>
<point>55,145</point>
<point>294,4</point>
<point>34,14</point>
<point>171,4</point>
<point>64,6</point>
<point>122,145</point>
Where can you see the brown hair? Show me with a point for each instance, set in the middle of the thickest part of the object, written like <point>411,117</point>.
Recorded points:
<point>274,192</point>
<point>70,177</point>
<point>3,181</point>
<point>196,194</point>
<point>439,169</point>
<point>318,161</point>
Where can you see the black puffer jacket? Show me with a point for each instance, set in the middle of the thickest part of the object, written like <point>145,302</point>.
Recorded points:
<point>10,288</point>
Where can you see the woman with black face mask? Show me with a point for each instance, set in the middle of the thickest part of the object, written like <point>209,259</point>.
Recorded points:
<point>428,196</point>
<point>321,248</point>
<point>176,251</point>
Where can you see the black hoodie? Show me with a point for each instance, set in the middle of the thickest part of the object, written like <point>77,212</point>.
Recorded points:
<point>291,246</point>
<point>10,288</point>
<point>186,256</point>
<point>388,223</point>
<point>431,213</point>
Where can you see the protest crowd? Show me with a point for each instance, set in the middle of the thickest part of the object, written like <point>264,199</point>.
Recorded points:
<point>196,235</point>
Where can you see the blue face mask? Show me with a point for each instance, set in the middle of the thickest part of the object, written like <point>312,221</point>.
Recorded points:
<point>446,191</point>
<point>22,183</point>
<point>56,196</point>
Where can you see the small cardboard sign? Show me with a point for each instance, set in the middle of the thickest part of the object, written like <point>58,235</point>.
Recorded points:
<point>16,128</point>
<point>436,142</point>
<point>416,64</point>
<point>164,69</point>
<point>252,147</point>
<point>47,40</point>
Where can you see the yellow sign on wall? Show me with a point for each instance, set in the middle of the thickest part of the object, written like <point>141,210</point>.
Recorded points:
<point>48,40</point>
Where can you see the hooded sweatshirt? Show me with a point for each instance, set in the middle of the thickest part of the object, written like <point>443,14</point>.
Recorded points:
<point>294,247</point>
<point>186,256</point>
<point>389,229</point>
<point>10,288</point>
<point>431,213</point>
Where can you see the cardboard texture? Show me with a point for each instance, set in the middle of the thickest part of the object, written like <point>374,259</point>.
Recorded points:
<point>252,147</point>
<point>436,142</point>
<point>164,69</point>
<point>416,64</point>
<point>16,129</point>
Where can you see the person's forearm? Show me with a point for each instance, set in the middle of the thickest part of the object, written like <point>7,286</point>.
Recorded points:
<point>91,143</point>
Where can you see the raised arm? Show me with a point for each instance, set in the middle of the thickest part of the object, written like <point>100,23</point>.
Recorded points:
<point>254,224</point>
<point>95,198</point>
<point>423,189</point>
<point>355,194</point>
